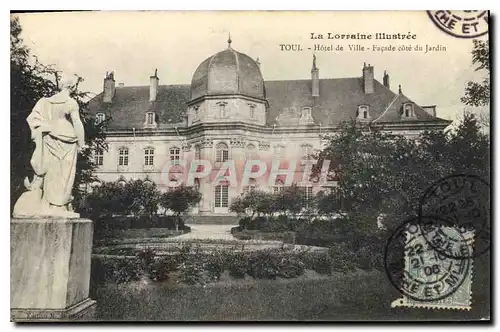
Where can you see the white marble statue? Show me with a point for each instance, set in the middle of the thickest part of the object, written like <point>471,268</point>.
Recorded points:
<point>58,134</point>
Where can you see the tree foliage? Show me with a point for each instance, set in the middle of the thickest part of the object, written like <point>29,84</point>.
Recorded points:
<point>30,81</point>
<point>478,93</point>
<point>180,200</point>
<point>384,174</point>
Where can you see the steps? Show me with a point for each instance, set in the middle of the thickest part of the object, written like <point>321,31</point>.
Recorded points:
<point>212,220</point>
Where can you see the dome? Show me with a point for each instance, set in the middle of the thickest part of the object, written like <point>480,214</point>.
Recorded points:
<point>228,72</point>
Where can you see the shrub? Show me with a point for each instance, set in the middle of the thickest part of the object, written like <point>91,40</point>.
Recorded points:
<point>236,265</point>
<point>245,222</point>
<point>214,264</point>
<point>263,265</point>
<point>290,267</point>
<point>322,263</point>
<point>117,270</point>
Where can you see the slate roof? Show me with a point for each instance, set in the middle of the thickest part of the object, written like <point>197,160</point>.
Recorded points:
<point>130,105</point>
<point>228,72</point>
<point>338,101</point>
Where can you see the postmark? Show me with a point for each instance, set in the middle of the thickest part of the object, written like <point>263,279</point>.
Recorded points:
<point>424,276</point>
<point>462,201</point>
<point>461,23</point>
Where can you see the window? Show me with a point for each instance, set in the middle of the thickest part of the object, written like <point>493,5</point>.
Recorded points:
<point>363,112</point>
<point>408,110</point>
<point>252,111</point>
<point>100,117</point>
<point>122,183</point>
<point>252,185</point>
<point>222,110</point>
<point>149,157</point>
<point>251,151</point>
<point>99,157</point>
<point>221,196</point>
<point>279,151</point>
<point>307,195</point>
<point>197,152</point>
<point>278,187</point>
<point>123,157</point>
<point>306,112</point>
<point>221,152</point>
<point>150,118</point>
<point>197,184</point>
<point>175,154</point>
<point>196,110</point>
<point>307,150</point>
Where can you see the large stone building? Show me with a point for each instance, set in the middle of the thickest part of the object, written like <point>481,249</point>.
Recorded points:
<point>229,113</point>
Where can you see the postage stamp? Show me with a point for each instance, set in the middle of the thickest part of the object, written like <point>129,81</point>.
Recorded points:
<point>427,278</point>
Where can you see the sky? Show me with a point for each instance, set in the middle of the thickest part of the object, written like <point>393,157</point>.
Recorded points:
<point>134,44</point>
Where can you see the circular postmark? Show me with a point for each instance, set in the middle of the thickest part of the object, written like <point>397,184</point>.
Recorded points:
<point>464,202</point>
<point>419,271</point>
<point>461,23</point>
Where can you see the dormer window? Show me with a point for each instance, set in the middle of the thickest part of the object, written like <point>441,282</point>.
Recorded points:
<point>150,118</point>
<point>408,110</point>
<point>363,112</point>
<point>306,116</point>
<point>100,117</point>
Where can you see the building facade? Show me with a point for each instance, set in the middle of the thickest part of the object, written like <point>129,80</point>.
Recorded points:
<point>230,131</point>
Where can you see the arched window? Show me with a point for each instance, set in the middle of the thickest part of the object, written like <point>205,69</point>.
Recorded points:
<point>99,157</point>
<point>122,182</point>
<point>278,186</point>
<point>197,184</point>
<point>251,151</point>
<point>408,110</point>
<point>279,151</point>
<point>221,152</point>
<point>149,156</point>
<point>196,111</point>
<point>123,157</point>
<point>100,117</point>
<point>252,110</point>
<point>363,112</point>
<point>175,155</point>
<point>150,118</point>
<point>197,152</point>
<point>221,196</point>
<point>306,151</point>
<point>252,185</point>
<point>222,110</point>
<point>307,195</point>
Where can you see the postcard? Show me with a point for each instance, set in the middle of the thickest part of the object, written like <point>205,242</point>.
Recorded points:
<point>250,166</point>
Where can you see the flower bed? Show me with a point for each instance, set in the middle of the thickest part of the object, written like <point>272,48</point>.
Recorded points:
<point>188,265</point>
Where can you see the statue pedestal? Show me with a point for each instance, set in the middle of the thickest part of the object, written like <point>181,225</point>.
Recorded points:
<point>50,269</point>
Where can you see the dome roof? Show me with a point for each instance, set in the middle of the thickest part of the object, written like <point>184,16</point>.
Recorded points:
<point>228,72</point>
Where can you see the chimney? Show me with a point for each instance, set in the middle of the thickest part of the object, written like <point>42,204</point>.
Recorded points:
<point>153,86</point>
<point>315,78</point>
<point>386,80</point>
<point>109,87</point>
<point>430,109</point>
<point>368,78</point>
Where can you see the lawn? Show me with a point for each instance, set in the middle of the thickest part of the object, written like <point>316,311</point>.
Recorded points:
<point>356,295</point>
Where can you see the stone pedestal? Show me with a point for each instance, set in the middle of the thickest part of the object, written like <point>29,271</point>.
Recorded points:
<point>50,269</point>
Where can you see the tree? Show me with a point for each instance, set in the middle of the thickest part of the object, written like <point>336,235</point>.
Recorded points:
<point>180,200</point>
<point>477,94</point>
<point>381,173</point>
<point>289,200</point>
<point>30,81</point>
